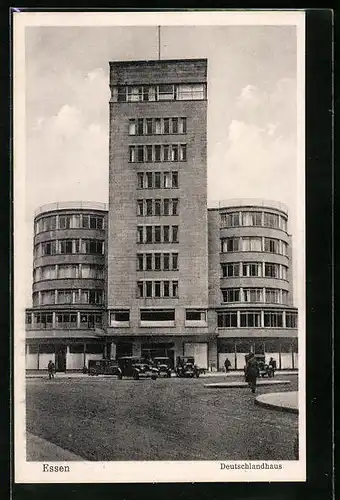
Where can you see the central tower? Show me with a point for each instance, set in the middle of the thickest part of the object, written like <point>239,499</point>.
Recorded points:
<point>157,222</point>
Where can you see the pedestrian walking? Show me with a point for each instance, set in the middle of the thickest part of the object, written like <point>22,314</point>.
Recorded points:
<point>252,372</point>
<point>51,369</point>
<point>272,364</point>
<point>227,365</point>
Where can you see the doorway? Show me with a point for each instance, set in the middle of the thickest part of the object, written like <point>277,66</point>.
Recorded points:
<point>60,358</point>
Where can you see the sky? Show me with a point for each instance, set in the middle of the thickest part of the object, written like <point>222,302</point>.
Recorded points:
<point>252,136</point>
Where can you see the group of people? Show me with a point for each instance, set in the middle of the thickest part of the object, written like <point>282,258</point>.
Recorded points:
<point>252,369</point>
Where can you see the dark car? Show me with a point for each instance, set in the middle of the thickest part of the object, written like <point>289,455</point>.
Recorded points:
<point>265,370</point>
<point>186,367</point>
<point>163,364</point>
<point>104,367</point>
<point>137,368</point>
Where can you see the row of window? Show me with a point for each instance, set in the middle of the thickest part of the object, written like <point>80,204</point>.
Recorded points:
<point>73,348</point>
<point>64,271</point>
<point>254,244</point>
<point>157,152</point>
<point>157,289</point>
<point>62,319</point>
<point>67,296</point>
<point>75,221</point>
<point>266,219</point>
<point>157,126</point>
<point>149,207</point>
<point>258,345</point>
<point>266,295</point>
<point>69,246</point>
<point>161,92</point>
<point>122,317</point>
<point>157,180</point>
<point>157,234</point>
<point>157,261</point>
<point>254,269</point>
<point>257,319</point>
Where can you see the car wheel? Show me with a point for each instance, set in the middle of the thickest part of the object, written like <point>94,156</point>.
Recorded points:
<point>153,377</point>
<point>136,376</point>
<point>169,375</point>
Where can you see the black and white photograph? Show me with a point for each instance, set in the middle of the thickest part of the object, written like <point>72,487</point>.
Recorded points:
<point>159,246</point>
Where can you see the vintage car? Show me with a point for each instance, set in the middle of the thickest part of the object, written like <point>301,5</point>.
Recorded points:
<point>265,370</point>
<point>185,367</point>
<point>104,367</point>
<point>137,368</point>
<point>163,364</point>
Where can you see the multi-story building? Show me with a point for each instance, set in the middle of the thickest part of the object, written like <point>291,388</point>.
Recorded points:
<point>250,282</point>
<point>159,273</point>
<point>158,236</point>
<point>66,322</point>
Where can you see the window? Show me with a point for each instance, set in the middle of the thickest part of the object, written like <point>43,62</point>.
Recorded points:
<point>166,126</point>
<point>166,204</point>
<point>271,270</point>
<point>157,126</point>
<point>251,219</point>
<point>140,154</point>
<point>230,220</point>
<point>148,287</point>
<point>149,180</point>
<point>148,207</point>
<point>134,94</point>
<point>291,320</point>
<point>174,207</point>
<point>132,154</point>
<point>157,207</point>
<point>271,220</point>
<point>149,157</point>
<point>175,288</point>
<point>66,319</point>
<point>231,295</point>
<point>231,270</point>
<point>157,180</point>
<point>47,297</point>
<point>140,126</point>
<point>174,152</point>
<point>157,261</point>
<point>48,272</point>
<point>148,238</point>
<point>140,183</point>
<point>28,320</point>
<point>132,127</point>
<point>166,153</point>
<point>140,207</point>
<point>284,296</point>
<point>65,246</point>
<point>183,125</point>
<point>68,271</point>
<point>174,261</point>
<point>230,244</point>
<point>252,269</point>
<point>166,289</point>
<point>251,244</point>
<point>157,152</point>
<point>272,296</point>
<point>165,92</point>
<point>273,319</point>
<point>284,271</point>
<point>65,297</point>
<point>183,152</point>
<point>174,179</point>
<point>93,247</point>
<point>140,234</point>
<point>94,348</point>
<point>120,318</point>
<point>148,126</point>
<point>175,234</point>
<point>166,234</point>
<point>157,315</point>
<point>271,245</point>
<point>157,289</point>
<point>195,317</point>
<point>284,248</point>
<point>64,221</point>
<point>140,289</point>
<point>148,260</point>
<point>140,262</point>
<point>227,320</point>
<point>43,320</point>
<point>48,248</point>
<point>194,91</point>
<point>47,348</point>
<point>250,319</point>
<point>157,234</point>
<point>166,261</point>
<point>175,125</point>
<point>252,295</point>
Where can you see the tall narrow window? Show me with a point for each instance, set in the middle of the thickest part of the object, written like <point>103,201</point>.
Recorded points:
<point>157,289</point>
<point>166,153</point>
<point>166,288</point>
<point>140,126</point>
<point>166,126</point>
<point>148,207</point>
<point>183,152</point>
<point>167,179</point>
<point>166,261</point>
<point>157,180</point>
<point>157,261</point>
<point>166,204</point>
<point>149,180</point>
<point>140,262</point>
<point>148,288</point>
<point>148,262</point>
<point>175,261</point>
<point>175,179</point>
<point>132,127</point>
<point>175,125</point>
<point>140,234</point>
<point>175,234</point>
<point>140,153</point>
<point>174,207</point>
<point>148,126</point>
<point>148,238</point>
<point>157,152</point>
<point>140,177</point>
<point>166,234</point>
<point>140,205</point>
<point>140,289</point>
<point>157,126</point>
<point>157,207</point>
<point>174,152</point>
<point>149,154</point>
<point>182,125</point>
<point>157,234</point>
<point>132,154</point>
<point>175,288</point>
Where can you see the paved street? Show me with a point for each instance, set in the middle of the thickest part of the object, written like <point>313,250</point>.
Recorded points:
<point>167,419</point>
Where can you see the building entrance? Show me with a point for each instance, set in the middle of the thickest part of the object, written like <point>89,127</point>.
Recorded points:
<point>60,358</point>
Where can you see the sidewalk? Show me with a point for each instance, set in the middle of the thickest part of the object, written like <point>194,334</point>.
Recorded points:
<point>283,401</point>
<point>70,375</point>
<point>38,450</point>
<point>242,383</point>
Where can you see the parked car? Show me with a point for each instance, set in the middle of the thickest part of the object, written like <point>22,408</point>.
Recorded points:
<point>104,367</point>
<point>185,367</point>
<point>163,364</point>
<point>137,368</point>
<point>265,370</point>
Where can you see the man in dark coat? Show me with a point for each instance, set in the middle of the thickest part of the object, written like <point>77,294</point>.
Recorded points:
<point>227,364</point>
<point>252,372</point>
<point>50,369</point>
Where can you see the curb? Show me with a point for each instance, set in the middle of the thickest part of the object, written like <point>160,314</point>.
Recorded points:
<point>241,384</point>
<point>274,406</point>
<point>39,449</point>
